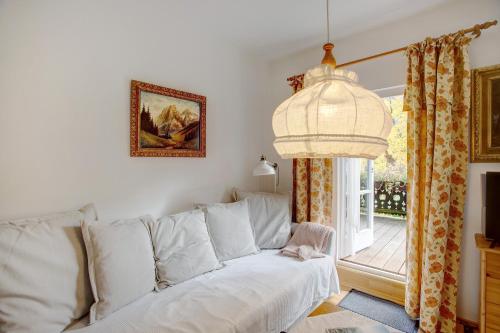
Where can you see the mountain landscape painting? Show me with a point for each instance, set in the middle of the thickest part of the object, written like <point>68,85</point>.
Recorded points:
<point>166,122</point>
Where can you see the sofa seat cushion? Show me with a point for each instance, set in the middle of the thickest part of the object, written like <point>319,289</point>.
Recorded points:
<point>265,292</point>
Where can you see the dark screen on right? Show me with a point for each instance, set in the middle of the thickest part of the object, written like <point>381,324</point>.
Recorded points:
<point>492,228</point>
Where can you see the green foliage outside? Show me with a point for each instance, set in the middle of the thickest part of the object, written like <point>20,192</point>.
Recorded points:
<point>391,166</point>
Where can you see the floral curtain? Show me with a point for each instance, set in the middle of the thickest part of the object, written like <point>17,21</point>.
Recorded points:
<point>437,99</point>
<point>312,183</point>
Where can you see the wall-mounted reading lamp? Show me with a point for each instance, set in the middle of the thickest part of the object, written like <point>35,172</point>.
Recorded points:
<point>266,168</point>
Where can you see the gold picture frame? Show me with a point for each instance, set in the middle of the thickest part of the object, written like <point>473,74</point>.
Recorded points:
<point>165,122</point>
<point>485,115</point>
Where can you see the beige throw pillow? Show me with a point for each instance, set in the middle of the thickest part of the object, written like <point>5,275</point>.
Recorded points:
<point>182,247</point>
<point>121,263</point>
<point>270,217</point>
<point>44,283</point>
<point>230,230</point>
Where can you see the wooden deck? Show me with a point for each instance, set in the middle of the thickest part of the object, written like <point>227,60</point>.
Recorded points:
<point>388,251</point>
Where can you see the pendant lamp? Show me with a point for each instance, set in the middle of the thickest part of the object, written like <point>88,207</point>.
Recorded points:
<point>333,116</point>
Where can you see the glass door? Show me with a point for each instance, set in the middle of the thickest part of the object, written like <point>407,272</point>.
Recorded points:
<point>355,204</point>
<point>370,205</point>
<point>363,236</point>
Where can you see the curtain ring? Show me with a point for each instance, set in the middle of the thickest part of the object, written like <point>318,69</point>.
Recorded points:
<point>476,30</point>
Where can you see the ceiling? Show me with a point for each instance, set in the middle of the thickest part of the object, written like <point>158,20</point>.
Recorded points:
<point>273,28</point>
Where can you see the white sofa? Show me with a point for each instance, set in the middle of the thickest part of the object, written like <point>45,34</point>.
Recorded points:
<point>264,292</point>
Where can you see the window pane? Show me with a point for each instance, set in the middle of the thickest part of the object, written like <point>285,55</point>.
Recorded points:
<point>390,168</point>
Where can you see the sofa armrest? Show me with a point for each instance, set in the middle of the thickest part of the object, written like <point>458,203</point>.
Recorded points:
<point>331,248</point>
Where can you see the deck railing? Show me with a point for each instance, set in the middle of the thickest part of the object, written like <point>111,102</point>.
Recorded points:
<point>389,198</point>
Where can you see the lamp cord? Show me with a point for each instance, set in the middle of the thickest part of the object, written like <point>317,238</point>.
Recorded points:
<point>328,20</point>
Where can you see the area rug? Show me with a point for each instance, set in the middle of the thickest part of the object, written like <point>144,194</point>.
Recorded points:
<point>383,311</point>
<point>340,319</point>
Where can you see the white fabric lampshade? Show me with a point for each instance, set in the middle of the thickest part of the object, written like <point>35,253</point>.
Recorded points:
<point>264,168</point>
<point>333,116</point>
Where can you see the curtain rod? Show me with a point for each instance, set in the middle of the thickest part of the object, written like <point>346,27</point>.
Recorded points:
<point>475,30</point>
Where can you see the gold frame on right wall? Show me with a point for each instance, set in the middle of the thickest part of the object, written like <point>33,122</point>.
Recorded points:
<point>485,121</point>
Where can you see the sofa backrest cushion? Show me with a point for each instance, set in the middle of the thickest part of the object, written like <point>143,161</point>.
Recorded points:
<point>44,283</point>
<point>270,217</point>
<point>230,230</point>
<point>182,247</point>
<point>121,263</point>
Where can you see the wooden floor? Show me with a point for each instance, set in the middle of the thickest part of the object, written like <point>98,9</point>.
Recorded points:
<point>388,251</point>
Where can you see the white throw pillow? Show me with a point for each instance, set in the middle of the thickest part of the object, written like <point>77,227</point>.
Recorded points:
<point>44,284</point>
<point>121,263</point>
<point>230,230</point>
<point>182,247</point>
<point>270,217</point>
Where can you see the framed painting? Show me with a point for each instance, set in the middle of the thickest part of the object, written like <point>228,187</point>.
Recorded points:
<point>166,122</point>
<point>485,116</point>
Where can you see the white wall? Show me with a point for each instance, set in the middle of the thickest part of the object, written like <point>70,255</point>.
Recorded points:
<point>65,71</point>
<point>391,71</point>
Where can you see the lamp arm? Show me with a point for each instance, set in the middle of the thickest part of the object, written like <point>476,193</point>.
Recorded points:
<point>277,173</point>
